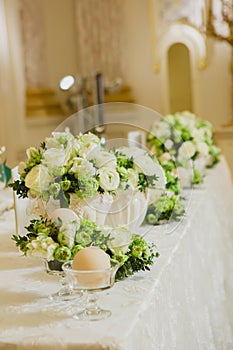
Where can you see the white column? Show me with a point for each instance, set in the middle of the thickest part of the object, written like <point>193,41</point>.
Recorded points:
<point>12,87</point>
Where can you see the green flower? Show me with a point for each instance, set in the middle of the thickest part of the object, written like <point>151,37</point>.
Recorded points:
<point>88,186</point>
<point>62,254</point>
<point>83,238</point>
<point>54,189</point>
<point>65,185</point>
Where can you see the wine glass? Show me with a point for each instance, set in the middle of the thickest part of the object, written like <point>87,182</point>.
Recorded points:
<point>91,281</point>
<point>66,292</point>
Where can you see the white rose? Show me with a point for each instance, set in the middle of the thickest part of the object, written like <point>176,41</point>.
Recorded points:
<point>38,179</point>
<point>120,239</point>
<point>102,158</point>
<point>198,134</point>
<point>59,139</point>
<point>203,148</point>
<point>186,150</point>
<point>54,157</point>
<point>82,167</point>
<point>88,142</point>
<point>109,179</point>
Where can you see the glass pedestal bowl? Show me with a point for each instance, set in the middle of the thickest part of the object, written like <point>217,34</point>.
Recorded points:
<point>91,282</point>
<point>65,293</point>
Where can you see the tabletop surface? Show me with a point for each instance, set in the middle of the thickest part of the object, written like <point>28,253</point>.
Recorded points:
<point>184,302</point>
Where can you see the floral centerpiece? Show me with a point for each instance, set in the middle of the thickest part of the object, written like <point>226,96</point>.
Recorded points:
<point>58,240</point>
<point>187,138</point>
<point>76,172</point>
<point>168,206</point>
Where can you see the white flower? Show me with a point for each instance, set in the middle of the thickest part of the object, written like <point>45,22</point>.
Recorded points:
<point>132,178</point>
<point>120,239</point>
<point>203,148</point>
<point>88,142</point>
<point>67,233</point>
<point>59,140</point>
<point>198,134</point>
<point>162,131</point>
<point>132,151</point>
<point>187,150</point>
<point>38,179</point>
<point>102,158</point>
<point>108,178</point>
<point>54,157</point>
<point>169,118</point>
<point>168,144</point>
<point>82,167</point>
<point>42,248</point>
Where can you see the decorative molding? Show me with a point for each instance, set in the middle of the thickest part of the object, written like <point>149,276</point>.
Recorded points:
<point>187,35</point>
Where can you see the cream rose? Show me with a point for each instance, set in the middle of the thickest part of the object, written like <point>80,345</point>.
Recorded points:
<point>55,157</point>
<point>120,239</point>
<point>108,178</point>
<point>82,167</point>
<point>88,142</point>
<point>38,179</point>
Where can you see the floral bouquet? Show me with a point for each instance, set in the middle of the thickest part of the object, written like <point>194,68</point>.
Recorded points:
<point>168,205</point>
<point>187,138</point>
<point>58,241</point>
<point>77,172</point>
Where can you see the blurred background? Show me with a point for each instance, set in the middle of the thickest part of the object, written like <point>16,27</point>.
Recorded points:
<point>168,55</point>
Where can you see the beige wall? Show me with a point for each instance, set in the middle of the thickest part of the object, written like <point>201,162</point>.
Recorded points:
<point>214,81</point>
<point>61,41</point>
<point>62,58</point>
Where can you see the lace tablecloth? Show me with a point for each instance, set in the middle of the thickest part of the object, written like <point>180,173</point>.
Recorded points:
<point>184,302</point>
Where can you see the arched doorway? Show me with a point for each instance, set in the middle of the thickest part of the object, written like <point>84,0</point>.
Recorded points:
<point>179,77</point>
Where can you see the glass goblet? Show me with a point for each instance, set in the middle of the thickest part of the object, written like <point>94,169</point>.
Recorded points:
<point>66,292</point>
<point>91,281</point>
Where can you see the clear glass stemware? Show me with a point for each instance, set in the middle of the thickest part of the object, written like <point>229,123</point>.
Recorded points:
<point>66,292</point>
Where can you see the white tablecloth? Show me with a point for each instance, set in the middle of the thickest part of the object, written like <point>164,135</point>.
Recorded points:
<point>183,303</point>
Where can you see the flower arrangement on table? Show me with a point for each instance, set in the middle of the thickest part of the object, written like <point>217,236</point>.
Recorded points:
<point>60,240</point>
<point>168,206</point>
<point>78,173</point>
<point>186,137</point>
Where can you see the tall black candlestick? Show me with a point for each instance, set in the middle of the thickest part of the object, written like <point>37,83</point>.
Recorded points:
<point>100,98</point>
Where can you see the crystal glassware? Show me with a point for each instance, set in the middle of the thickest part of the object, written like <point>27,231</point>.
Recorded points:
<point>66,292</point>
<point>91,282</point>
